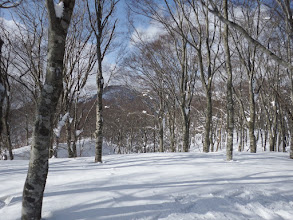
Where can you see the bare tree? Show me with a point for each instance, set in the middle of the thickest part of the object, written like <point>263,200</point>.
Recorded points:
<point>28,40</point>
<point>79,61</point>
<point>6,138</point>
<point>283,9</point>
<point>149,67</point>
<point>4,4</point>
<point>103,28</point>
<point>203,37</point>
<point>250,59</point>
<point>230,104</point>
<point>59,22</point>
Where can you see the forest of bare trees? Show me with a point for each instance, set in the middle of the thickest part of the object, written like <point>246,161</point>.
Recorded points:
<point>206,74</point>
<point>200,74</point>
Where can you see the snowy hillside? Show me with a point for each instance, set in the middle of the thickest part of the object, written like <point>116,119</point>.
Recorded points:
<point>84,148</point>
<point>169,186</point>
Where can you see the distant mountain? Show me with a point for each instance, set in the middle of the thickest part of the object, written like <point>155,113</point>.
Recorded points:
<point>119,93</point>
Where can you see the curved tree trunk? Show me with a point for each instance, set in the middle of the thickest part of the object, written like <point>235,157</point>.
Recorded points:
<point>38,165</point>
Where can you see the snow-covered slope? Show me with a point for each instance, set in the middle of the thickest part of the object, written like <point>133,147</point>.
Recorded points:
<point>84,148</point>
<point>169,186</point>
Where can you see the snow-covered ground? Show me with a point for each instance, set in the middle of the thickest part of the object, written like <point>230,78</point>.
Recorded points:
<point>169,186</point>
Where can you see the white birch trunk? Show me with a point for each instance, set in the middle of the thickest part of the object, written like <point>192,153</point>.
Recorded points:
<point>38,165</point>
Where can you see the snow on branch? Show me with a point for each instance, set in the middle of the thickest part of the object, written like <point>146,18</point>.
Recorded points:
<point>60,125</point>
<point>59,9</point>
<point>78,132</point>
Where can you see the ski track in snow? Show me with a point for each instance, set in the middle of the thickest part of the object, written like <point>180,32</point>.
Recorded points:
<point>165,186</point>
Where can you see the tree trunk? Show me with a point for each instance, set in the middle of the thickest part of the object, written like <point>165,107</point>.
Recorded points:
<point>172,129</point>
<point>38,165</point>
<point>251,123</point>
<point>155,140</point>
<point>161,135</point>
<point>26,131</point>
<point>272,140</point>
<point>74,151</point>
<point>100,88</point>
<point>2,87</point>
<point>207,138</point>
<point>265,141</point>
<point>131,140</point>
<point>99,115</point>
<point>7,134</point>
<point>185,131</point>
<point>68,139</point>
<point>5,114</point>
<point>145,139</point>
<point>241,135</point>
<point>291,144</point>
<point>273,130</point>
<point>230,105</point>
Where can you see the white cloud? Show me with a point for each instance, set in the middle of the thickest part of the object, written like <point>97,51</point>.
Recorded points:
<point>150,33</point>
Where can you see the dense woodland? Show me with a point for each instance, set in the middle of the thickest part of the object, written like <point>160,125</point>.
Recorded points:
<point>172,82</point>
<point>181,72</point>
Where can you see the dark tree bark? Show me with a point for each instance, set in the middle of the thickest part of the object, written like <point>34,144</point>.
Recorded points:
<point>2,87</point>
<point>161,122</point>
<point>38,165</point>
<point>7,126</point>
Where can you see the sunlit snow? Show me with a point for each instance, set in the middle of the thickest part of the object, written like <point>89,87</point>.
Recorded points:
<point>165,186</point>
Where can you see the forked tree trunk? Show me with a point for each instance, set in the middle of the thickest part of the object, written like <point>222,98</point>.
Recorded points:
<point>38,165</point>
